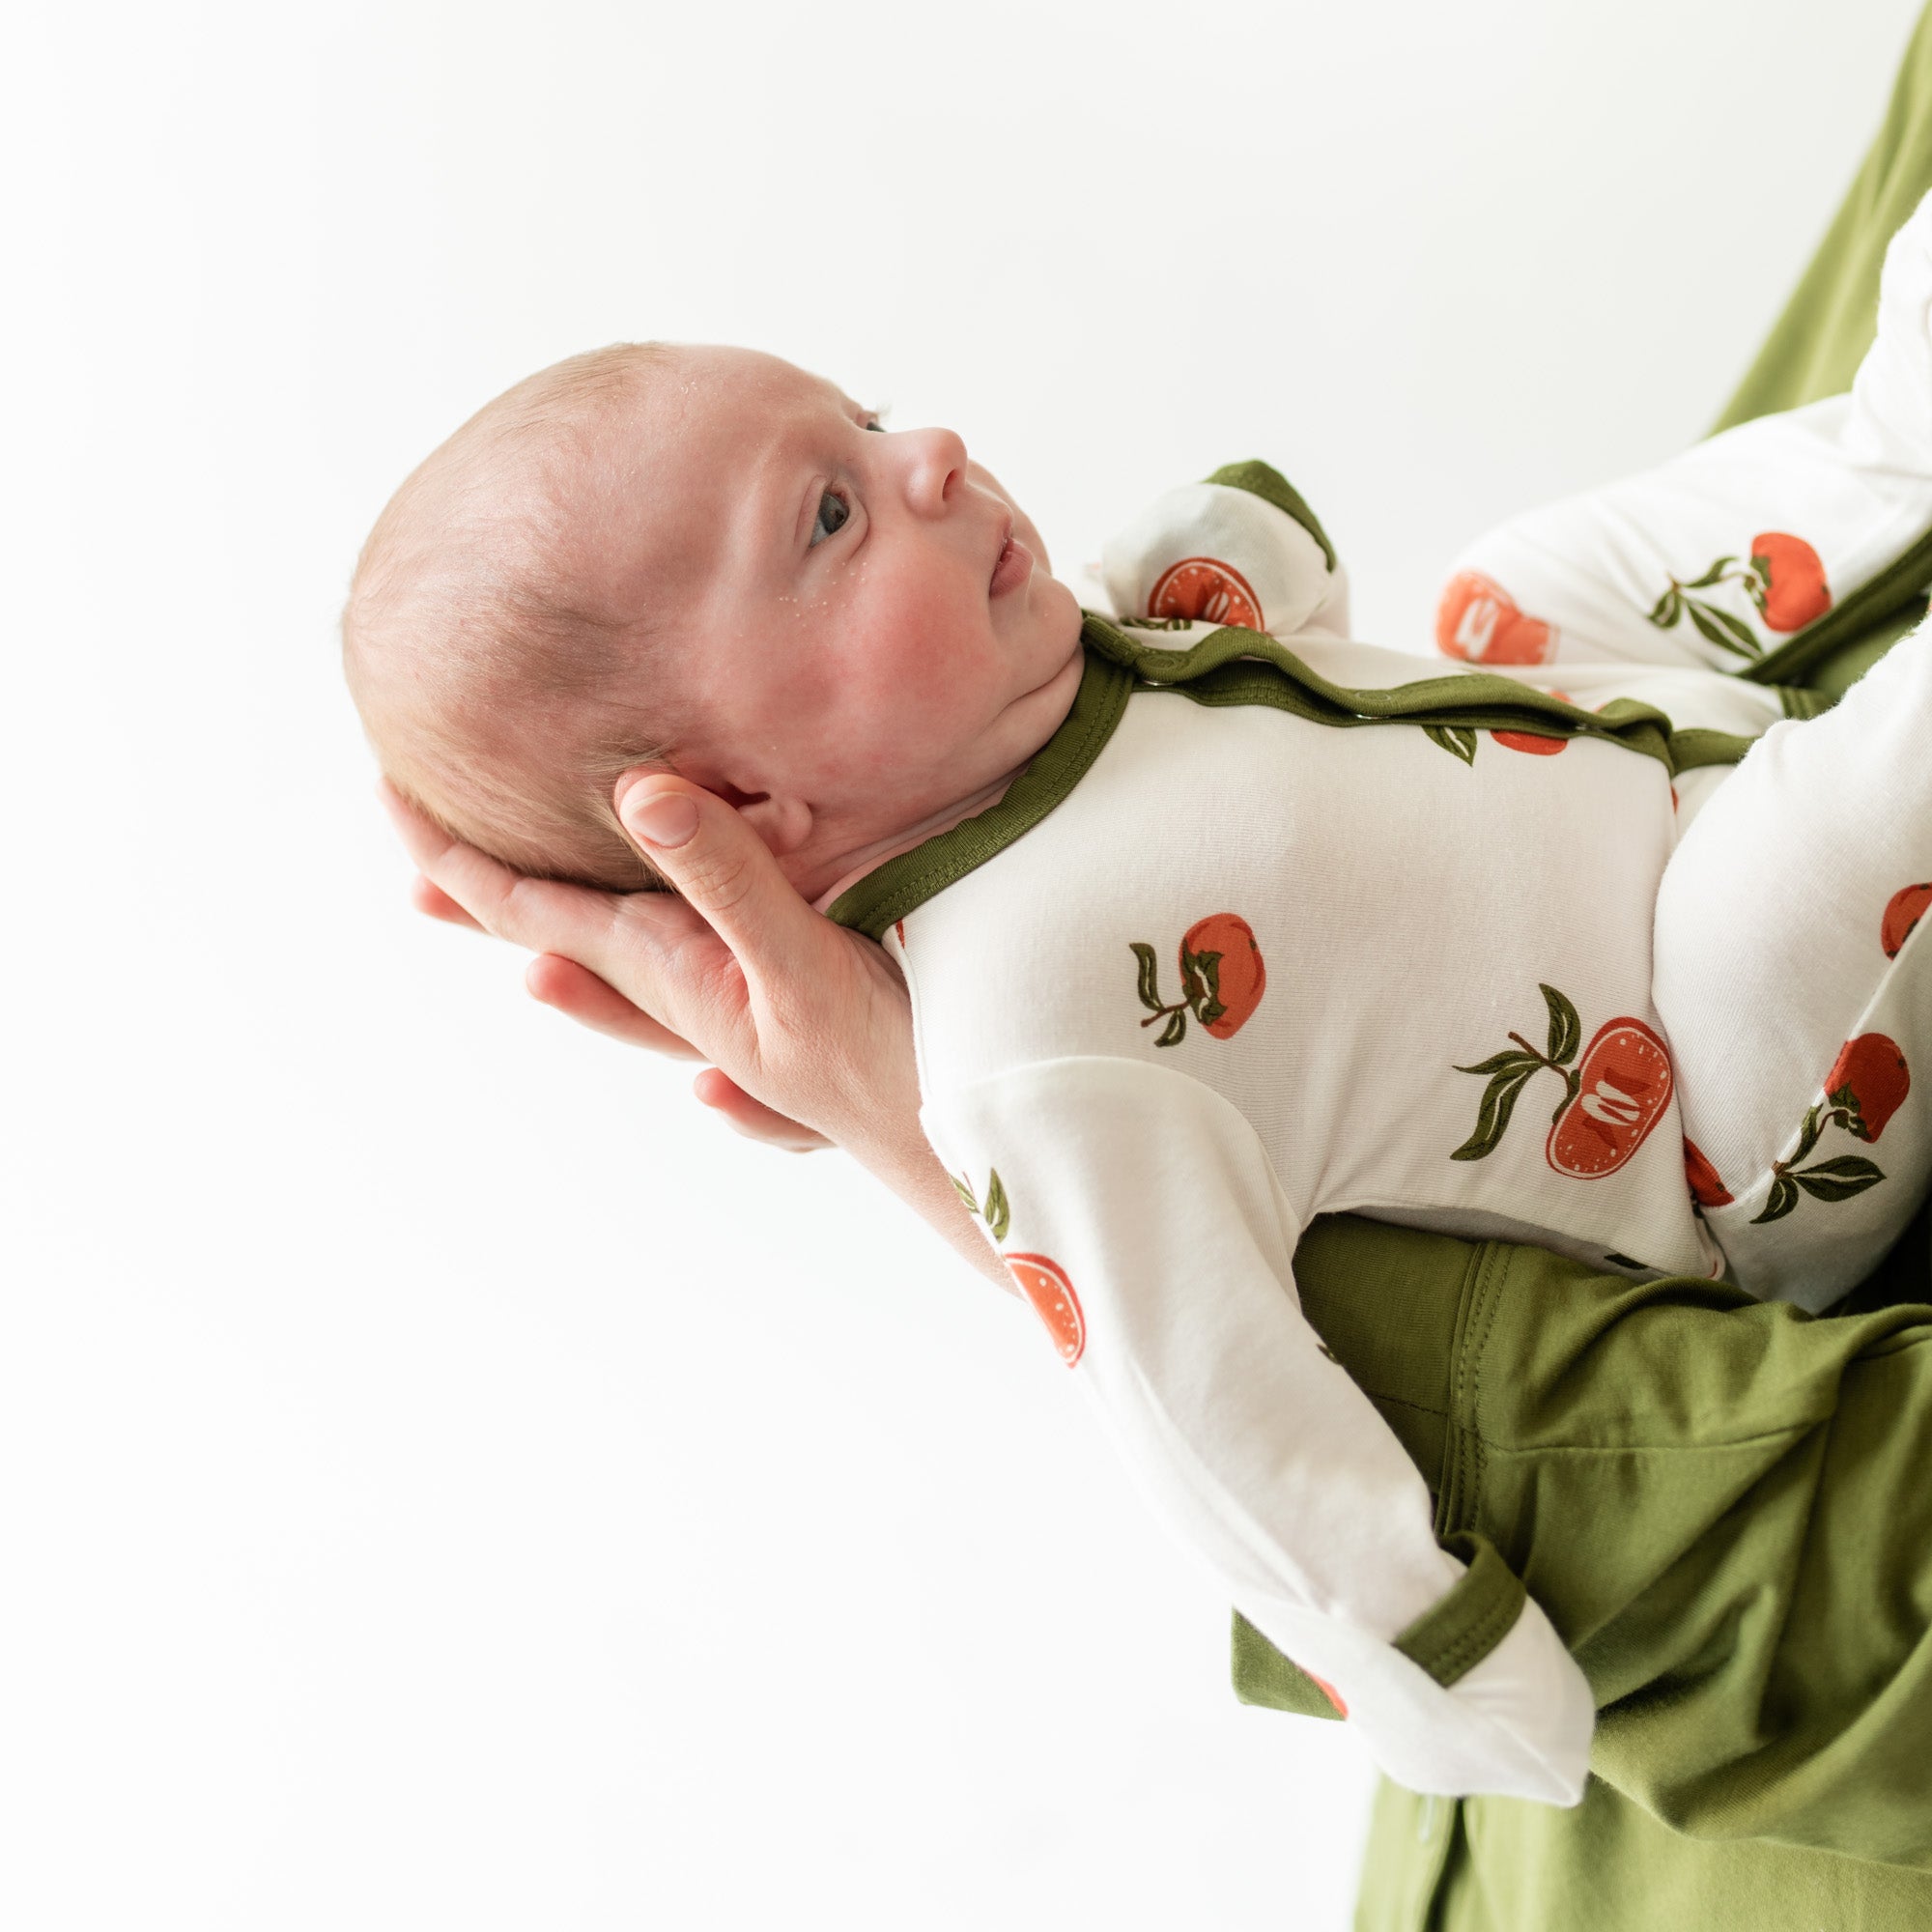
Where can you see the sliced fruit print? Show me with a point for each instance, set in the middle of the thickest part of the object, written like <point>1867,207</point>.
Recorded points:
<point>1478,619</point>
<point>1222,978</point>
<point>1205,587</point>
<point>1782,576</point>
<point>1707,1185</point>
<point>1538,744</point>
<point>996,1213</point>
<point>1905,908</point>
<point>1612,1098</point>
<point>1045,1283</point>
<point>1866,1084</point>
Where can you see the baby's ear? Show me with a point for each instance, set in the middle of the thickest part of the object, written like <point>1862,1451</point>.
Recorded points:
<point>785,824</point>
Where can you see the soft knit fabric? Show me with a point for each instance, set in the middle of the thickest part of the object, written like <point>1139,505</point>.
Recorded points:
<point>1276,928</point>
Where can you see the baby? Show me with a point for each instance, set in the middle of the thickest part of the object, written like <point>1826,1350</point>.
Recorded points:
<point>1216,920</point>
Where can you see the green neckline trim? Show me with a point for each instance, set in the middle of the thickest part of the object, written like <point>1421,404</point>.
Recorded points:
<point>1232,665</point>
<point>903,883</point>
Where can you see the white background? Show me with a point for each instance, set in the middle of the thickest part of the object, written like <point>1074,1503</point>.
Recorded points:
<point>445,1478</point>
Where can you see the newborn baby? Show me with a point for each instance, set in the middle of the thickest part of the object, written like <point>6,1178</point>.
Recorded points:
<point>1216,920</point>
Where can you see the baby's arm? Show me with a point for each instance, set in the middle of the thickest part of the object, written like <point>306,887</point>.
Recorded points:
<point>1239,548</point>
<point>1718,557</point>
<point>1139,1213</point>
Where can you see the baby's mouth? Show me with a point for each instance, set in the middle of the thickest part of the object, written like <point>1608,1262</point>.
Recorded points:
<point>1012,567</point>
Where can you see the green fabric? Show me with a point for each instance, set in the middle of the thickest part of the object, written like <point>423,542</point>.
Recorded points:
<point>1450,1639</point>
<point>1724,1505</point>
<point>1232,665</point>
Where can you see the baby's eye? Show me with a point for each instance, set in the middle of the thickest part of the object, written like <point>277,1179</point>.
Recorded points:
<point>829,520</point>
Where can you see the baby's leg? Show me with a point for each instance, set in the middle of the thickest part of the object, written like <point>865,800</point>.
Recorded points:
<point>1794,979</point>
<point>1717,556</point>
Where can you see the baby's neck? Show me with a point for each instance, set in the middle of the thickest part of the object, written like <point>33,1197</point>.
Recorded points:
<point>854,866</point>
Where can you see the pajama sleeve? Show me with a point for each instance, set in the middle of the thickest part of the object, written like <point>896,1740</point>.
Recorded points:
<point>1717,556</point>
<point>1139,1213</point>
<point>1240,547</point>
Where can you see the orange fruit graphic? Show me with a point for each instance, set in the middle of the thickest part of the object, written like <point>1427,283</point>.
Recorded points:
<point>1244,975</point>
<point>1902,912</point>
<point>1622,1088</point>
<point>1707,1186</point>
<point>1872,1075</point>
<point>1045,1283</point>
<point>1478,619</point>
<point>1205,587</point>
<point>1795,591</point>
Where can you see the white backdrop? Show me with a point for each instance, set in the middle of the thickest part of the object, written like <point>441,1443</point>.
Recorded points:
<point>445,1478</point>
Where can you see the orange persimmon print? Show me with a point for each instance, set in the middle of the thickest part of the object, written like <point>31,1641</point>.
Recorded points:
<point>1782,576</point>
<point>1222,978</point>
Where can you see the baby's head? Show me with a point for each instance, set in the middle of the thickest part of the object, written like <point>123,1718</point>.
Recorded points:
<point>702,559</point>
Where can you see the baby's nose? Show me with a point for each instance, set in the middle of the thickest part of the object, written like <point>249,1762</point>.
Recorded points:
<point>939,463</point>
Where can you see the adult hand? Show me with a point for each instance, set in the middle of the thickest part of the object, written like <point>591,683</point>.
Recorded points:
<point>808,1026</point>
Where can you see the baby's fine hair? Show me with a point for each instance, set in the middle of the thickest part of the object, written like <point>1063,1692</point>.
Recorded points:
<point>502,696</point>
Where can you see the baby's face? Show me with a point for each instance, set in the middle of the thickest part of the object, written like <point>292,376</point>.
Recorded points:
<point>866,633</point>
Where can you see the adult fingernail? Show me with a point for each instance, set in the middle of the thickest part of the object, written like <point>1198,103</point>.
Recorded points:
<point>661,818</point>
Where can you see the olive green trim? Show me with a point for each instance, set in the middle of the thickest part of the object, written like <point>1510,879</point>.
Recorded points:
<point>1799,702</point>
<point>1866,608</point>
<point>895,889</point>
<point>1260,479</point>
<point>1479,1611</point>
<point>1263,1676</point>
<point>1232,665</point>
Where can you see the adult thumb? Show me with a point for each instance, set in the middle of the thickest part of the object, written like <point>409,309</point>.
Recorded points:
<point>721,867</point>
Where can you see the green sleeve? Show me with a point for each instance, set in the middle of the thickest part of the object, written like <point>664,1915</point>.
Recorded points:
<point>1725,1506</point>
<point>1816,345</point>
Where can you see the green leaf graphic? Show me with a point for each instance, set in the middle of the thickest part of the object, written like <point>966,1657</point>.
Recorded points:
<point>1667,610</point>
<point>1460,740</point>
<point>1711,576</point>
<point>1192,988</point>
<point>1494,1115</point>
<point>998,1214</point>
<point>1783,1199</point>
<point>1150,988</point>
<point>1176,1029</point>
<point>1496,1061</point>
<point>1566,1029</point>
<point>1720,628</point>
<point>1840,1179</point>
<point>965,1192</point>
